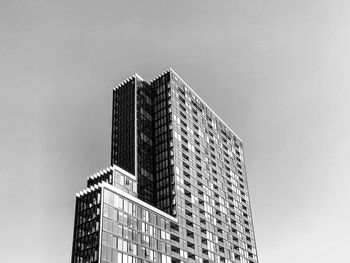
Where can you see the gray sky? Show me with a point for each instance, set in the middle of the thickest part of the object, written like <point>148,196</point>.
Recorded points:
<point>275,71</point>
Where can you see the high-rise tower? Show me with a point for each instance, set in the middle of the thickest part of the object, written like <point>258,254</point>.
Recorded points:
<point>176,190</point>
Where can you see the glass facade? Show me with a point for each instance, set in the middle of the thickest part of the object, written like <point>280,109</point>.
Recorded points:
<point>163,140</point>
<point>131,232</point>
<point>145,144</point>
<point>182,196</point>
<point>87,226</point>
<point>123,126</point>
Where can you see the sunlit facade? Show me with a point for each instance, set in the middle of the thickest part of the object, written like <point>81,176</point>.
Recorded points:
<point>176,190</point>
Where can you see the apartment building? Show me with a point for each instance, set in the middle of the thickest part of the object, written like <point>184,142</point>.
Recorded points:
<point>176,190</point>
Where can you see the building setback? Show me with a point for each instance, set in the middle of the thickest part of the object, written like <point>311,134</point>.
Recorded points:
<point>176,190</point>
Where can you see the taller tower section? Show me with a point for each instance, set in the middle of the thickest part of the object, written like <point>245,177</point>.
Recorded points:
<point>142,138</point>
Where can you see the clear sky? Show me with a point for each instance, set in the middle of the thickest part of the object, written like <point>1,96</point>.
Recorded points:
<point>276,71</point>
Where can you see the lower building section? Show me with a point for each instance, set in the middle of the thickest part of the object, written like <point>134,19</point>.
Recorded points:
<point>133,231</point>
<point>113,225</point>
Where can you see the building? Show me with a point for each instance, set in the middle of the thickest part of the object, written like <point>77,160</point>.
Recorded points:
<point>176,190</point>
